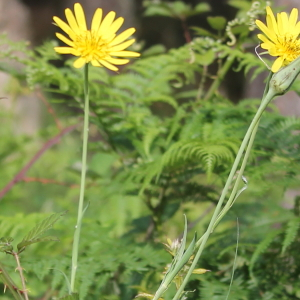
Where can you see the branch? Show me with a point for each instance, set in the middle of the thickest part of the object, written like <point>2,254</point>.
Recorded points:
<point>24,170</point>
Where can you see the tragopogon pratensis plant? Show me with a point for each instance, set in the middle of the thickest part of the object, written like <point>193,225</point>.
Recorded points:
<point>101,47</point>
<point>281,41</point>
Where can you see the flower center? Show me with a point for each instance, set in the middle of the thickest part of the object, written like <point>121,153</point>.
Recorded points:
<point>91,46</point>
<point>288,47</point>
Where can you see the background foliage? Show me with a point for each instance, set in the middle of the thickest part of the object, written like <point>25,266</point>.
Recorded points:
<point>164,134</point>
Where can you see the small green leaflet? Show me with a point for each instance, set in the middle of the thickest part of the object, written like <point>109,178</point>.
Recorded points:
<point>5,244</point>
<point>34,235</point>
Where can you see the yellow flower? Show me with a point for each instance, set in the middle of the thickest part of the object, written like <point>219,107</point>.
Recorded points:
<point>281,37</point>
<point>100,45</point>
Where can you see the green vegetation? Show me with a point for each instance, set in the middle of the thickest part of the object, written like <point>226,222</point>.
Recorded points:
<point>164,134</point>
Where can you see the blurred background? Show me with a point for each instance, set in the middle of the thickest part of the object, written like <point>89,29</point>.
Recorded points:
<point>32,20</point>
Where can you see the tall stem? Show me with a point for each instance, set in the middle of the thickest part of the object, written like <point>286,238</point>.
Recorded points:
<point>202,241</point>
<point>82,182</point>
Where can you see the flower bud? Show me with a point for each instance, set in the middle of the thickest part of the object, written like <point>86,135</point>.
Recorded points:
<point>281,81</point>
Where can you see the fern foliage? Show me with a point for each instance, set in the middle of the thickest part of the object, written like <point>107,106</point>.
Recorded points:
<point>163,137</point>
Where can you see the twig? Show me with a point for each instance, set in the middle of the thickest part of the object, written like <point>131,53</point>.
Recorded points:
<point>187,34</point>
<point>24,170</point>
<point>49,181</point>
<point>20,269</point>
<point>8,282</point>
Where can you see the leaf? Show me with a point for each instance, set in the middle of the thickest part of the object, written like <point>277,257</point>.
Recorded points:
<point>217,23</point>
<point>5,244</point>
<point>66,279</point>
<point>156,10</point>
<point>34,234</point>
<point>262,246</point>
<point>180,259</point>
<point>201,8</point>
<point>202,32</point>
<point>206,58</point>
<point>290,233</point>
<point>37,240</point>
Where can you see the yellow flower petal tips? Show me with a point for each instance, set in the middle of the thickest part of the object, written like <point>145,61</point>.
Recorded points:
<point>281,37</point>
<point>100,45</point>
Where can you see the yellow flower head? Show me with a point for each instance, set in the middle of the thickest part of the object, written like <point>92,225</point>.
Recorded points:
<point>281,37</point>
<point>100,45</point>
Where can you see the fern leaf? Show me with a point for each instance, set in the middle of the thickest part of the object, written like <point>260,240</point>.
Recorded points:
<point>262,246</point>
<point>290,233</point>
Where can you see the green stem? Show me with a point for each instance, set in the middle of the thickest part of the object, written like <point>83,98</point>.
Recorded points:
<point>82,182</point>
<point>202,241</point>
<point>233,194</point>
<point>220,76</point>
<point>20,269</point>
<point>7,281</point>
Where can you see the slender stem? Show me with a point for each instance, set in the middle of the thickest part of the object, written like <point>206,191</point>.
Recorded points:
<point>8,282</point>
<point>233,194</point>
<point>82,182</point>
<point>20,269</point>
<point>201,84</point>
<point>220,76</point>
<point>202,241</point>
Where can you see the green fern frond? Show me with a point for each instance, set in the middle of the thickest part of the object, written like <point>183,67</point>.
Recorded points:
<point>290,233</point>
<point>199,152</point>
<point>262,246</point>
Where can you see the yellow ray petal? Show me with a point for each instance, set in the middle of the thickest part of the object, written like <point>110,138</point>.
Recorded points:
<point>296,31</point>
<point>71,20</point>
<point>277,64</point>
<point>117,61</point>
<point>79,14</point>
<point>263,38</point>
<point>122,36</point>
<point>293,18</point>
<point>122,46</point>
<point>283,22</point>
<point>108,65</point>
<point>116,25</point>
<point>106,23</point>
<point>125,54</point>
<point>271,21</point>
<point>64,39</point>
<point>270,34</point>
<point>64,26</point>
<point>96,21</point>
<point>266,46</point>
<point>66,50</point>
<point>95,63</point>
<point>78,63</point>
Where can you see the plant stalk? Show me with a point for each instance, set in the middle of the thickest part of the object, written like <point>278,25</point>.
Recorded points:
<point>8,282</point>
<point>249,136</point>
<point>220,76</point>
<point>20,269</point>
<point>82,181</point>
